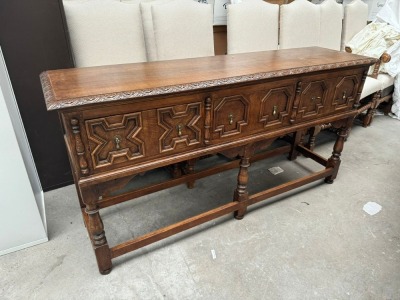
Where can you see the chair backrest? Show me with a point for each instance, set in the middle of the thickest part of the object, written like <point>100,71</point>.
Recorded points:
<point>105,32</point>
<point>148,29</point>
<point>183,29</point>
<point>355,19</point>
<point>252,26</point>
<point>331,24</point>
<point>299,25</point>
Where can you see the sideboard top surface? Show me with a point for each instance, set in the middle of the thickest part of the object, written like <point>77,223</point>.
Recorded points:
<point>80,86</point>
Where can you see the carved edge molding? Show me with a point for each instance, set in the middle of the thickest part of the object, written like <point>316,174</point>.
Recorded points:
<point>53,104</point>
<point>48,93</point>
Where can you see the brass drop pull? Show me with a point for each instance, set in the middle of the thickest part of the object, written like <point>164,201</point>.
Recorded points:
<point>117,141</point>
<point>230,119</point>
<point>179,128</point>
<point>275,110</point>
<point>315,98</point>
<point>344,95</point>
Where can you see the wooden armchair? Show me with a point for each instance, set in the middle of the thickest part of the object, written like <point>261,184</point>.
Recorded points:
<point>384,94</point>
<point>355,24</point>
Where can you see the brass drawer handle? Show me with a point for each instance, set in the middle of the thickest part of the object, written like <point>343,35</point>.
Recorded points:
<point>275,110</point>
<point>344,95</point>
<point>117,141</point>
<point>315,98</point>
<point>179,128</point>
<point>230,117</point>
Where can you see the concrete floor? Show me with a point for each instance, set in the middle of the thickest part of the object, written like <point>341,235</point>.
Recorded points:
<point>317,243</point>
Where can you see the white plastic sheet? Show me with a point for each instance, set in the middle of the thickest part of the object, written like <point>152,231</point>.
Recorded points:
<point>390,13</point>
<point>383,33</point>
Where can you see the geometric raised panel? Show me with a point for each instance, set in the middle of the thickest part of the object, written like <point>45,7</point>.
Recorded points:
<point>180,126</point>
<point>275,106</point>
<point>231,115</point>
<point>345,92</point>
<point>312,98</point>
<point>113,139</point>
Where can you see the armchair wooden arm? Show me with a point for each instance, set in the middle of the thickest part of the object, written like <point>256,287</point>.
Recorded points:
<point>384,58</point>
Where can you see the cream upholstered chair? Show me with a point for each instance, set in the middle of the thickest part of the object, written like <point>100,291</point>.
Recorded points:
<point>183,29</point>
<point>299,25</point>
<point>105,32</point>
<point>355,19</point>
<point>377,87</point>
<point>331,16</point>
<point>252,26</point>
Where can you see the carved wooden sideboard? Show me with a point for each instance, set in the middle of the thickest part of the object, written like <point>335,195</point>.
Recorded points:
<point>123,120</point>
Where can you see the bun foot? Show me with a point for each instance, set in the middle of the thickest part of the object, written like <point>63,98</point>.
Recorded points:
<point>105,272</point>
<point>329,181</point>
<point>238,217</point>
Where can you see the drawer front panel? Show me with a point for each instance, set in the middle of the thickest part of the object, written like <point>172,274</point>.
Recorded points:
<point>313,99</point>
<point>345,92</point>
<point>181,127</point>
<point>275,106</point>
<point>113,140</point>
<point>231,116</point>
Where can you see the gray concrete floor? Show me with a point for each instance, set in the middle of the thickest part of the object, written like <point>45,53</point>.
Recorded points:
<point>313,243</point>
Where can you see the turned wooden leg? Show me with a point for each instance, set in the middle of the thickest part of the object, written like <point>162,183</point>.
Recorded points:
<point>176,171</point>
<point>96,232</point>
<point>190,170</point>
<point>297,140</point>
<point>388,107</point>
<point>311,140</point>
<point>241,194</point>
<point>334,160</point>
<point>368,117</point>
<point>371,111</point>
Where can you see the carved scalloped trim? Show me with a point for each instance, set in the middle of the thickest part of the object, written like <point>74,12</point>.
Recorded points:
<point>53,104</point>
<point>48,93</point>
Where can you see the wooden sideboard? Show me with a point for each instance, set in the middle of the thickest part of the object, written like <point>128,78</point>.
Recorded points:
<point>124,120</point>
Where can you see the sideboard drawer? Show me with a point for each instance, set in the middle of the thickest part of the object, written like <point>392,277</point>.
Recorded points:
<point>276,105</point>
<point>231,115</point>
<point>345,92</point>
<point>313,98</point>
<point>252,109</point>
<point>113,140</point>
<point>181,127</point>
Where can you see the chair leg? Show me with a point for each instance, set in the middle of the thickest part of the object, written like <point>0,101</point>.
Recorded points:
<point>388,106</point>
<point>371,111</point>
<point>368,117</point>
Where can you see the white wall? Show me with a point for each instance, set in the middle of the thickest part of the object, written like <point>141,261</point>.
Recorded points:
<point>22,213</point>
